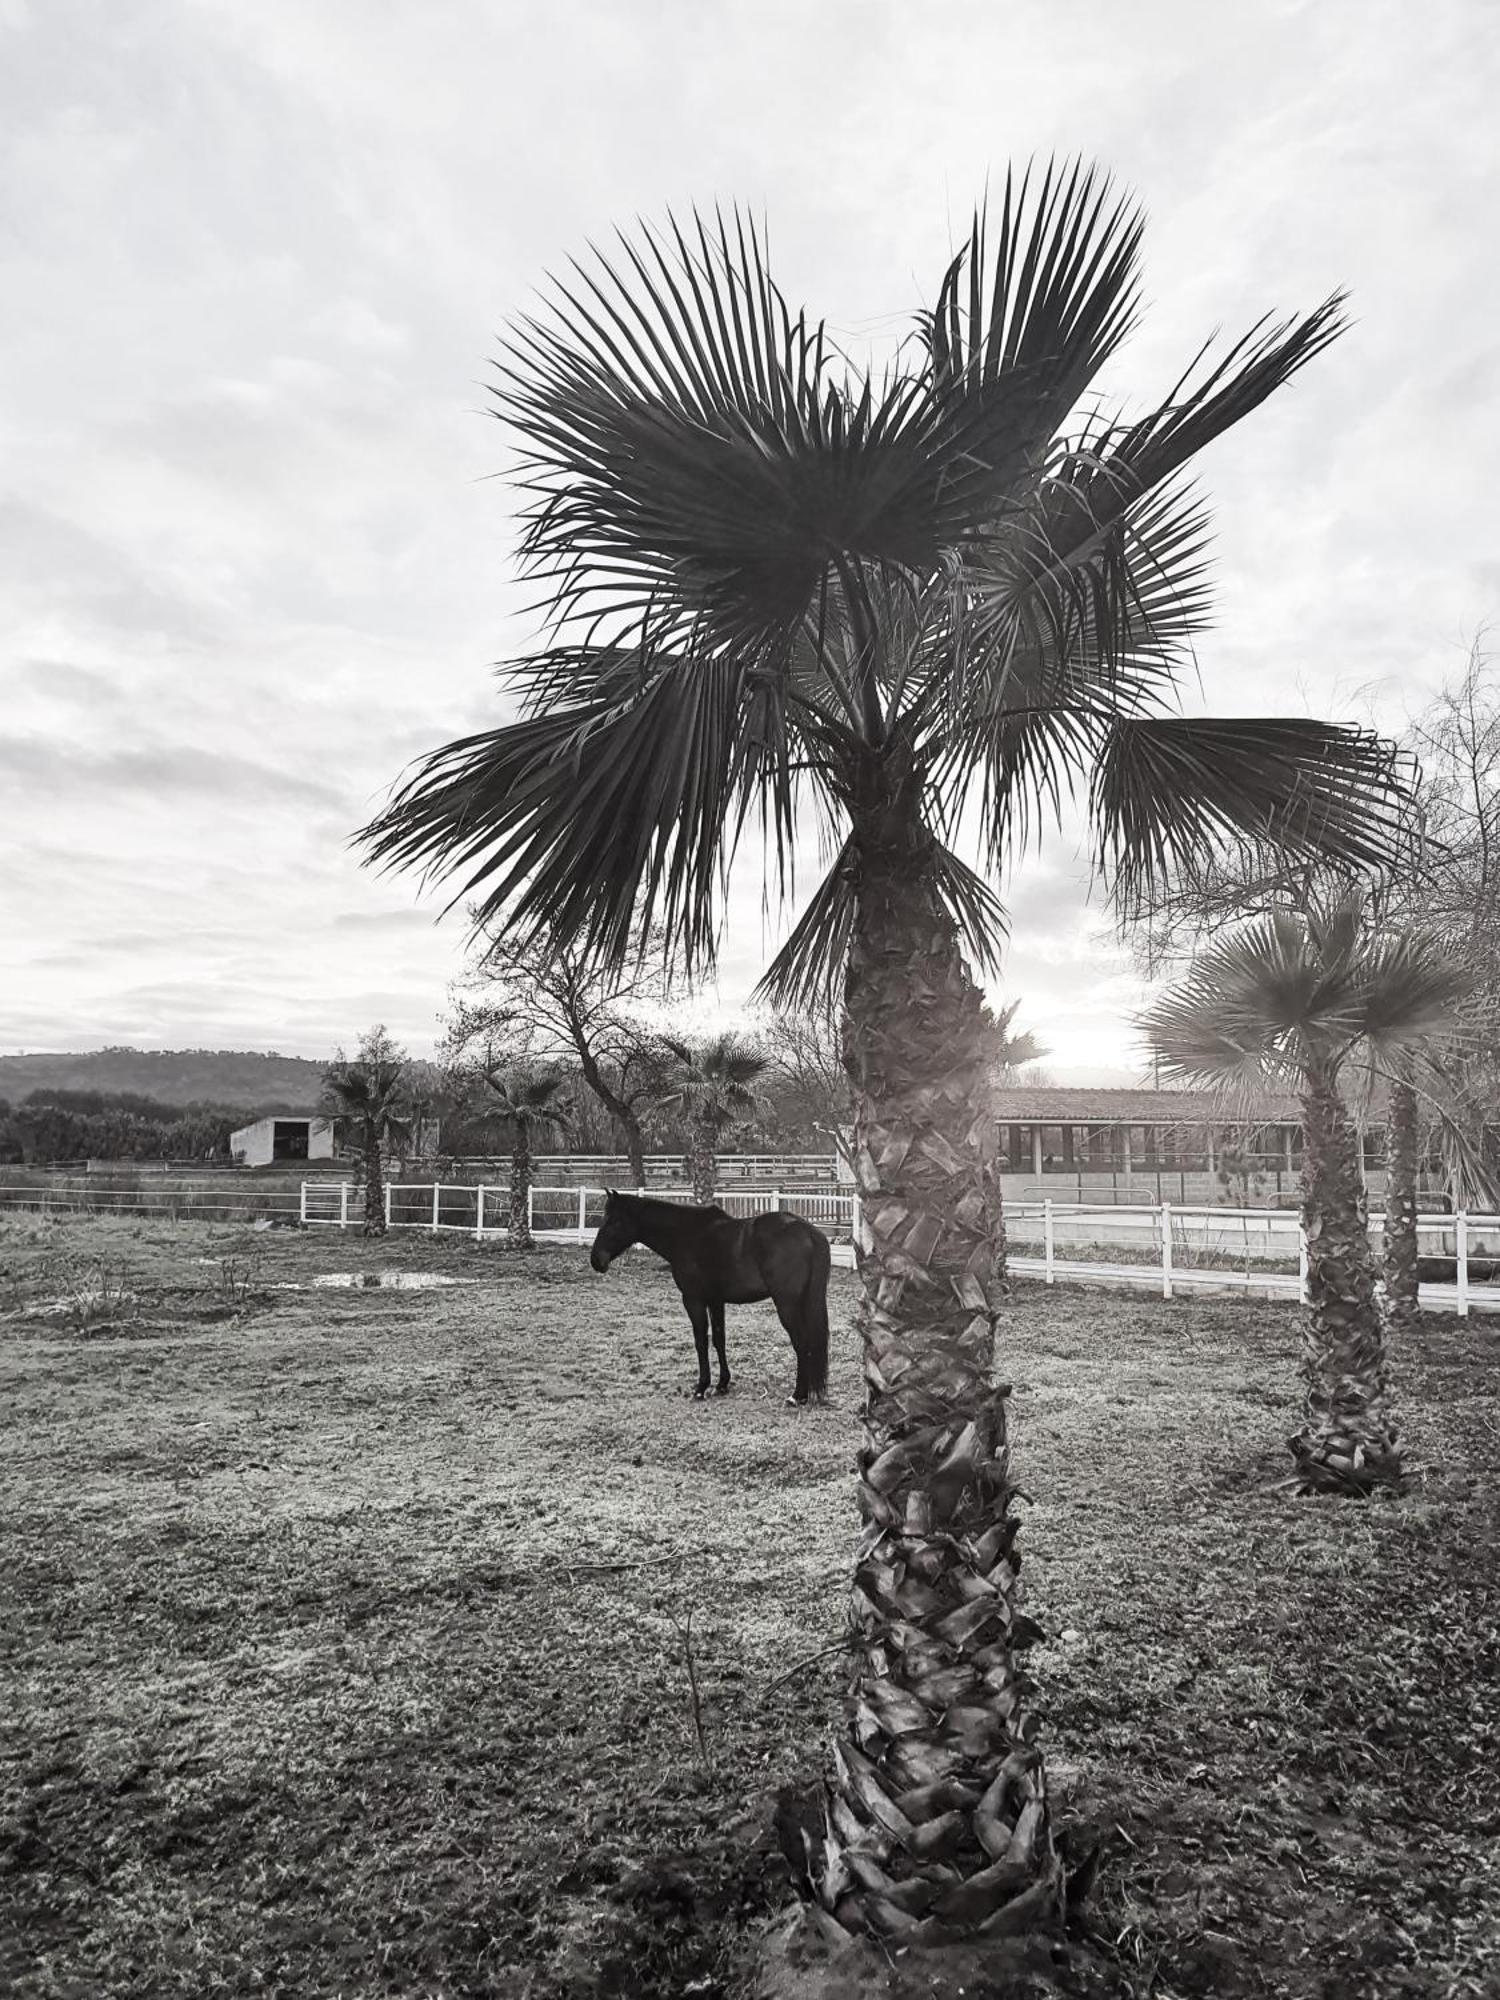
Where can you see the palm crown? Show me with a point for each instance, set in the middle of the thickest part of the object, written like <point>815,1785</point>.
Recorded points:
<point>773,572</point>
<point>1294,992</point>
<point>713,1080</point>
<point>370,1090</point>
<point>532,1104</point>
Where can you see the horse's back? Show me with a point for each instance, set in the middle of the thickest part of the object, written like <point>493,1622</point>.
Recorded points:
<point>742,1261</point>
<point>789,1249</point>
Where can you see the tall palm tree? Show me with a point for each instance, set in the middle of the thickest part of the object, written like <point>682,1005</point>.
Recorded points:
<point>712,1081</point>
<point>370,1092</point>
<point>1303,999</point>
<point>533,1108</point>
<point>778,576</point>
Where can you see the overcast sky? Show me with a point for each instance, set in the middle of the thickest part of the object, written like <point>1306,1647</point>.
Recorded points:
<point>256,254</point>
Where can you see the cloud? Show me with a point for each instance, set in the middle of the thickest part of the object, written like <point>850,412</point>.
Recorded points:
<point>256,261</point>
<point>63,770</point>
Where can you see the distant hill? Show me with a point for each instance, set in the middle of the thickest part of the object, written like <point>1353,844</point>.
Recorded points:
<point>246,1077</point>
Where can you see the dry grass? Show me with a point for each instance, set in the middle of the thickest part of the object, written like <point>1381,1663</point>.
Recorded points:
<point>344,1633</point>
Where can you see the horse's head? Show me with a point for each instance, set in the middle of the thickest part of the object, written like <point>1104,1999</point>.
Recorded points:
<point>616,1232</point>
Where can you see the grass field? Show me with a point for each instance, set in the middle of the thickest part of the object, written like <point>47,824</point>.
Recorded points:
<point>344,1632</point>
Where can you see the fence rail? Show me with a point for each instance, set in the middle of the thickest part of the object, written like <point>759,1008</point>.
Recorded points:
<point>1166,1246</point>
<point>1173,1248</point>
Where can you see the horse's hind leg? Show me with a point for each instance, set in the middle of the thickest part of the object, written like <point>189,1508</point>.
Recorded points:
<point>787,1314</point>
<point>716,1314</point>
<point>698,1313</point>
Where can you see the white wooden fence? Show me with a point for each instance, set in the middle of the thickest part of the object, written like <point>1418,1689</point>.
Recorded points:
<point>1168,1248</point>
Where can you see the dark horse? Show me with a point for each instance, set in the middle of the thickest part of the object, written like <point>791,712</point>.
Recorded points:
<point>720,1262</point>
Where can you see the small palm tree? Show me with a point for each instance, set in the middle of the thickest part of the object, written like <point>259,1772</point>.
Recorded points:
<point>1304,998</point>
<point>370,1093</point>
<point>712,1081</point>
<point>533,1108</point>
<point>1014,1049</point>
<point>936,591</point>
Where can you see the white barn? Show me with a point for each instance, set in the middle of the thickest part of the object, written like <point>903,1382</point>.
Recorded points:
<point>270,1141</point>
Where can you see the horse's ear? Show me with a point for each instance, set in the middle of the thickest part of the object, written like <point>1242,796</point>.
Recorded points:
<point>609,1194</point>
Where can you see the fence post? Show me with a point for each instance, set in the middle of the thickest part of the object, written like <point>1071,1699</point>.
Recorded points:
<point>776,1199</point>
<point>302,1211</point>
<point>583,1211</point>
<point>1166,1249</point>
<point>437,1204</point>
<point>343,1204</point>
<point>1302,1262</point>
<point>856,1218</point>
<point>387,1204</point>
<point>1461,1260</point>
<point>479,1213</point>
<point>1047,1239</point>
<point>530,1207</point>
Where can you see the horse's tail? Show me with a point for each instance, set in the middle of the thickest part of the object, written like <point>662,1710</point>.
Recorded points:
<point>815,1318</point>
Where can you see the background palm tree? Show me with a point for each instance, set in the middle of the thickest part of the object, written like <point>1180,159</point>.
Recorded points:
<point>532,1107</point>
<point>1302,999</point>
<point>370,1093</point>
<point>889,592</point>
<point>1015,1047</point>
<point>712,1081</point>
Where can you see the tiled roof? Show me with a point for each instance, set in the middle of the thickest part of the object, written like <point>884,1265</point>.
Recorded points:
<point>1058,1104</point>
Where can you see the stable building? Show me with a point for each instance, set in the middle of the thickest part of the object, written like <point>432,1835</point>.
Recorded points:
<point>1051,1129</point>
<point>272,1142</point>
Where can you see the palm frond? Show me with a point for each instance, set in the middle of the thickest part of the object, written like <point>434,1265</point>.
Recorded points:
<point>1048,307</point>
<point>1413,987</point>
<point>695,462</point>
<point>1169,790</point>
<point>587,825</point>
<point>1267,357</point>
<point>1242,1009</point>
<point>1048,661</point>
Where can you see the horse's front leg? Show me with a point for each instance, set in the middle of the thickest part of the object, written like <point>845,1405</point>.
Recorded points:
<point>697,1312</point>
<point>716,1314</point>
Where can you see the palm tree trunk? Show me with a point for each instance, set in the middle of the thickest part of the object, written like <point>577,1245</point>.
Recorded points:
<point>938,1819</point>
<point>1349,1441</point>
<point>520,1186</point>
<point>704,1160</point>
<point>1401,1208</point>
<point>374,1184</point>
<point>635,1149</point>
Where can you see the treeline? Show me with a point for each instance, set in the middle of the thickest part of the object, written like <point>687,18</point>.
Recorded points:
<point>49,1126</point>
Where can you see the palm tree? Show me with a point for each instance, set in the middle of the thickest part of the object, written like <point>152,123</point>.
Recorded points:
<point>778,576</point>
<point>1305,998</point>
<point>712,1082</point>
<point>1015,1048</point>
<point>531,1107</point>
<point>370,1093</point>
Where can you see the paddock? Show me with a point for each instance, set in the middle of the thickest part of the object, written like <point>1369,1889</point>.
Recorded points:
<point>349,1628</point>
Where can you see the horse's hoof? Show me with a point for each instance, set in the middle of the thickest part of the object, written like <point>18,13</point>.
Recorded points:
<point>722,1390</point>
<point>699,1394</point>
<point>796,1402</point>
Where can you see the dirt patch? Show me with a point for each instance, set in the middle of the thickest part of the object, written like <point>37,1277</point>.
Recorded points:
<point>344,1638</point>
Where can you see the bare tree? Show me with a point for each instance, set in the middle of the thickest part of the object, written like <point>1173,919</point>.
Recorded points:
<point>521,1003</point>
<point>803,1053</point>
<point>1455,883</point>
